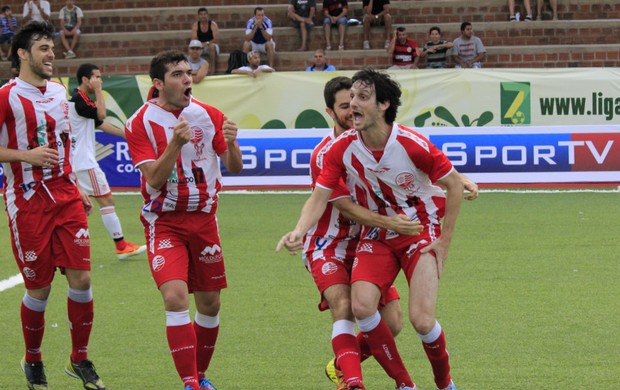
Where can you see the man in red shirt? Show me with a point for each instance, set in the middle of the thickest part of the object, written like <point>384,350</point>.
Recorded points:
<point>405,53</point>
<point>391,170</point>
<point>46,209</point>
<point>177,142</point>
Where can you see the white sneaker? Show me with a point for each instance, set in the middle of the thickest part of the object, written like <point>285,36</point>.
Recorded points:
<point>387,44</point>
<point>366,45</point>
<point>70,54</point>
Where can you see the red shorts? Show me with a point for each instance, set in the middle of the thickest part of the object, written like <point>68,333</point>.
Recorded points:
<point>331,269</point>
<point>185,246</point>
<point>379,261</point>
<point>50,230</point>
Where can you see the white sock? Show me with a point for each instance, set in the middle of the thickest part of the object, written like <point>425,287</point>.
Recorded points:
<point>343,327</point>
<point>34,304</point>
<point>80,296</point>
<point>177,318</point>
<point>369,323</point>
<point>111,222</point>
<point>207,321</point>
<point>432,335</point>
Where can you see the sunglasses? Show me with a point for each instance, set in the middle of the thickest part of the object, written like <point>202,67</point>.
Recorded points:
<point>195,48</point>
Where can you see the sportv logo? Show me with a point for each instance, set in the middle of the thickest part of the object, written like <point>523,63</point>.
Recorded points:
<point>515,103</point>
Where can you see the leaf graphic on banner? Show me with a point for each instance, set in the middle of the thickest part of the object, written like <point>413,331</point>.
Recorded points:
<point>465,120</point>
<point>274,124</point>
<point>485,117</point>
<point>442,113</point>
<point>309,119</point>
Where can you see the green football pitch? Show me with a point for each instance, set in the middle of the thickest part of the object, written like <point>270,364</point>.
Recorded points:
<point>530,299</point>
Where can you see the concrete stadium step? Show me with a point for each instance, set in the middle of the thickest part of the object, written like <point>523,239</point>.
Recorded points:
<point>440,12</point>
<point>537,56</point>
<point>287,38</point>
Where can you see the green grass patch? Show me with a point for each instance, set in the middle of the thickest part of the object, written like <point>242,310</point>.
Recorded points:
<point>529,300</point>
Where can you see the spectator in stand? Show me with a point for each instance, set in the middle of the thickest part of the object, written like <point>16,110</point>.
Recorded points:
<point>301,13</point>
<point>205,30</point>
<point>554,8</point>
<point>376,11</point>
<point>335,12</point>
<point>404,51</point>
<point>70,21</point>
<point>259,35</point>
<point>255,68</point>
<point>320,62</point>
<point>200,66</point>
<point>528,9</point>
<point>38,10</point>
<point>468,50</point>
<point>8,23</point>
<point>436,50</point>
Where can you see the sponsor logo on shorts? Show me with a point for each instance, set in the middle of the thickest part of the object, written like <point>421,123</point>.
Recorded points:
<point>365,247</point>
<point>82,237</point>
<point>211,254</point>
<point>158,263</point>
<point>29,273</point>
<point>329,268</point>
<point>222,276</point>
<point>30,256</point>
<point>164,244</point>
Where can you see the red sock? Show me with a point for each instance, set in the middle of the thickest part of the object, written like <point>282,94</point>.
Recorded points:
<point>80,324</point>
<point>364,347</point>
<point>383,347</point>
<point>33,326</point>
<point>347,354</point>
<point>182,343</point>
<point>205,342</point>
<point>438,356</point>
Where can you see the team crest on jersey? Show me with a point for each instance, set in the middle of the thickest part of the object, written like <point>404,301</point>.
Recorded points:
<point>406,180</point>
<point>329,268</point>
<point>158,263</point>
<point>198,142</point>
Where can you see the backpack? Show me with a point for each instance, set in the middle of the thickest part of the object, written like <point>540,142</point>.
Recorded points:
<point>236,59</point>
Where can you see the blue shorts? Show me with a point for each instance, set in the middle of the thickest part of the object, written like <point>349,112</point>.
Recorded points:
<point>6,38</point>
<point>343,20</point>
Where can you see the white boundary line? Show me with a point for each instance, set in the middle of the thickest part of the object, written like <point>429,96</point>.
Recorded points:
<point>11,282</point>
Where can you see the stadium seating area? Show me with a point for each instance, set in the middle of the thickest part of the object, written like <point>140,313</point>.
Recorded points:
<point>122,36</point>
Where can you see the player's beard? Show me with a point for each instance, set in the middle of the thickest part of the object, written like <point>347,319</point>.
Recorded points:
<point>37,69</point>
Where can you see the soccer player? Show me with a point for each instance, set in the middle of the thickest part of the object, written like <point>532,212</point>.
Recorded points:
<point>175,141</point>
<point>391,170</point>
<point>46,209</point>
<point>329,251</point>
<point>86,115</point>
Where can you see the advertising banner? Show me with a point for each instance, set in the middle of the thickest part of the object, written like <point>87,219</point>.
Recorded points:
<point>496,125</point>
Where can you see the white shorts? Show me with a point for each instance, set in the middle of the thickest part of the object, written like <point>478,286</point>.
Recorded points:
<point>205,50</point>
<point>93,182</point>
<point>260,47</point>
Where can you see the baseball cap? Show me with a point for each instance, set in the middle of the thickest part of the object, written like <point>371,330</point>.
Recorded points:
<point>195,43</point>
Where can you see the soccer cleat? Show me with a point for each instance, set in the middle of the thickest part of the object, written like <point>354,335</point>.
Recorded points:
<point>130,250</point>
<point>85,371</point>
<point>335,375</point>
<point>35,375</point>
<point>451,386</point>
<point>205,384</point>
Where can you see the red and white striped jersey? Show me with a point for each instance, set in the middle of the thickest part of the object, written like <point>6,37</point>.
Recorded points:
<point>30,117</point>
<point>196,178</point>
<point>333,232</point>
<point>397,180</point>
